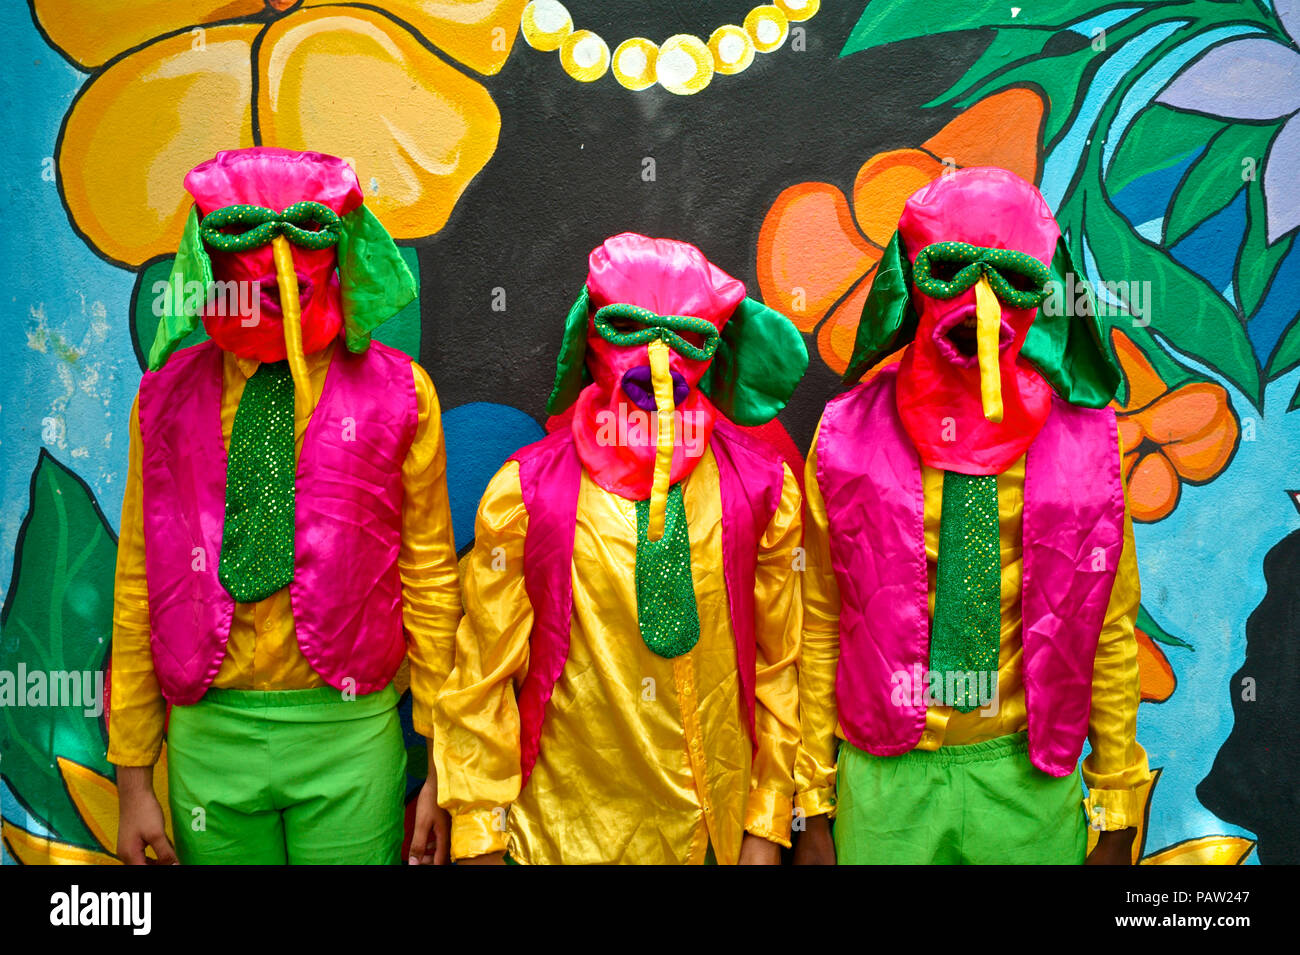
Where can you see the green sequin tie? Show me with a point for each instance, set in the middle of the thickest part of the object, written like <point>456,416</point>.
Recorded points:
<point>966,632</point>
<point>665,593</point>
<point>257,543</point>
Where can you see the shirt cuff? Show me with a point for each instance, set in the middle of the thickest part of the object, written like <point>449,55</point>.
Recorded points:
<point>1112,809</point>
<point>767,815</point>
<point>816,802</point>
<point>133,757</point>
<point>478,832</point>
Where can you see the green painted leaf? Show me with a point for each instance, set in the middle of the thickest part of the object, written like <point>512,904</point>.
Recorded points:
<point>402,331</point>
<point>1287,353</point>
<point>1008,48</point>
<point>1214,179</point>
<point>1158,138</point>
<point>889,21</point>
<point>57,618</point>
<point>1257,261</point>
<point>144,318</point>
<point>1059,77</point>
<point>1146,623</point>
<point>1186,310</point>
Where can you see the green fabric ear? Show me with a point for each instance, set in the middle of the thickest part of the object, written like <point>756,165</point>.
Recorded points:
<point>571,374</point>
<point>888,317</point>
<point>759,361</point>
<point>373,277</point>
<point>1067,348</point>
<point>183,301</point>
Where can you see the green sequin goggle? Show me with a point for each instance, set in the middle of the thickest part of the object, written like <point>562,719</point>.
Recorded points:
<point>258,225</point>
<point>946,269</point>
<point>667,328</point>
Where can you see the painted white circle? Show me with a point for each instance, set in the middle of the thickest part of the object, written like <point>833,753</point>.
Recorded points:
<point>550,16</point>
<point>731,48</point>
<point>632,61</point>
<point>769,31</point>
<point>588,52</point>
<point>675,68</point>
<point>796,4</point>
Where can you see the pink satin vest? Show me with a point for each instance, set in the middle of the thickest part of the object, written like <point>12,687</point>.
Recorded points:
<point>550,473</point>
<point>346,592</point>
<point>870,477</point>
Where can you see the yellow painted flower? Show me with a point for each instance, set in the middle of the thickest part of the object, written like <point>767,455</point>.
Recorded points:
<point>174,82</point>
<point>95,797</point>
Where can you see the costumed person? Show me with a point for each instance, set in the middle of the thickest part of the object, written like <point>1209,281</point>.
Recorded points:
<point>286,535</point>
<point>971,586</point>
<point>625,680</point>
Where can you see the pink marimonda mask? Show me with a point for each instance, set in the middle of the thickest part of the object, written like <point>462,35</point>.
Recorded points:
<point>942,400</point>
<point>275,179</point>
<point>613,419</point>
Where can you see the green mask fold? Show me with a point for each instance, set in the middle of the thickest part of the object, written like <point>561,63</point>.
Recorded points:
<point>374,282</point>
<point>759,359</point>
<point>888,318</point>
<point>571,374</point>
<point>373,277</point>
<point>181,310</point>
<point>1066,350</point>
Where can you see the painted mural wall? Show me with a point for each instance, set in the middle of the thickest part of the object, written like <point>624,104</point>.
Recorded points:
<point>500,141</point>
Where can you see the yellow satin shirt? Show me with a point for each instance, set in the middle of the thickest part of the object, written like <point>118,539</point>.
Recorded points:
<point>262,651</point>
<point>643,759</point>
<point>1117,765</point>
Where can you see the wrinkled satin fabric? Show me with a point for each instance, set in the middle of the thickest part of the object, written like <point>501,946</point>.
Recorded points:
<point>1117,764</point>
<point>262,651</point>
<point>348,502</point>
<point>1072,534</point>
<point>938,394</point>
<point>276,179</point>
<point>622,773</point>
<point>667,277</point>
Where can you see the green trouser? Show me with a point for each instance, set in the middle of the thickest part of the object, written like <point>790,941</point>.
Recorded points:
<point>287,776</point>
<point>980,804</point>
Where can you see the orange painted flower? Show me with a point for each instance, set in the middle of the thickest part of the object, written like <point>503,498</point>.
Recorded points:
<point>1170,436</point>
<point>173,83</point>
<point>818,249</point>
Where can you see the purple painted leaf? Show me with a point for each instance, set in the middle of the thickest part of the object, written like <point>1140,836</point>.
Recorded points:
<point>1251,78</point>
<point>1281,172</point>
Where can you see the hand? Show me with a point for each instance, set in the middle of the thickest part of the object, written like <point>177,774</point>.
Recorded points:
<point>755,850</point>
<point>140,819</point>
<point>431,836</point>
<point>492,858</point>
<point>814,846</point>
<point>1113,848</point>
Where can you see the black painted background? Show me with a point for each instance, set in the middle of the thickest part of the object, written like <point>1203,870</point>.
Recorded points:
<point>567,174</point>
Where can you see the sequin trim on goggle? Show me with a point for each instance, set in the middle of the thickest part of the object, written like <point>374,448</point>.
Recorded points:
<point>260,225</point>
<point>971,262</point>
<point>663,327</point>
